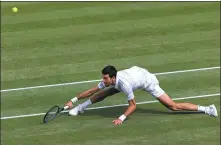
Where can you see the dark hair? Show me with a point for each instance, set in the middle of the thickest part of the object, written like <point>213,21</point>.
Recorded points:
<point>110,70</point>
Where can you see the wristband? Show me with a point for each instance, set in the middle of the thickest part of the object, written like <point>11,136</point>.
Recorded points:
<point>122,117</point>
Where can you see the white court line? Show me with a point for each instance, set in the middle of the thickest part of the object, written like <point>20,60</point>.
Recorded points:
<point>90,81</point>
<point>102,107</point>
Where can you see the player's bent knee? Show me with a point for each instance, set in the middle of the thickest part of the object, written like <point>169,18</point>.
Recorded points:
<point>99,98</point>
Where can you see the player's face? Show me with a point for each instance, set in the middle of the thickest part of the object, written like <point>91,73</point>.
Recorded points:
<point>107,80</point>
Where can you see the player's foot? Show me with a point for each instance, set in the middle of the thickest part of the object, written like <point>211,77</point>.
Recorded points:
<point>75,111</point>
<point>211,110</point>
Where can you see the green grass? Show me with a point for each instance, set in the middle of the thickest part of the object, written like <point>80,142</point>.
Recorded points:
<point>48,43</point>
<point>151,124</point>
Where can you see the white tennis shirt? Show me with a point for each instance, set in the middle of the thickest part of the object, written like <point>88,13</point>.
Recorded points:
<point>128,80</point>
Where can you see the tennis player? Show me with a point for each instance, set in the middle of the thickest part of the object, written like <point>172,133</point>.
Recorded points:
<point>127,81</point>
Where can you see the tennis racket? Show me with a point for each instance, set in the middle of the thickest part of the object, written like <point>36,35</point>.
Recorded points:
<point>53,113</point>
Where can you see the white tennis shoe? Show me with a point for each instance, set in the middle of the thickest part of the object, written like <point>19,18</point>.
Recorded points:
<point>211,110</point>
<point>75,111</point>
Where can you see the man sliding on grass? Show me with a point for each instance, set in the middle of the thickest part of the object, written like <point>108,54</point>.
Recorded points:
<point>127,81</point>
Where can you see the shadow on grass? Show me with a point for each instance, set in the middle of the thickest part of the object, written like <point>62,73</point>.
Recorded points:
<point>116,111</point>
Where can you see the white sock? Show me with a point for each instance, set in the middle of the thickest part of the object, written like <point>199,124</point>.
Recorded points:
<point>75,99</point>
<point>86,104</point>
<point>201,108</point>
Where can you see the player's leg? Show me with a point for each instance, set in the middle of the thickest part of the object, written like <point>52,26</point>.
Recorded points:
<point>174,106</point>
<point>159,94</point>
<point>155,90</point>
<point>101,95</point>
<point>170,104</point>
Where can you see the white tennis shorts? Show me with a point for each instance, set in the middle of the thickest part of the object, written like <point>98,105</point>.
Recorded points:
<point>154,88</point>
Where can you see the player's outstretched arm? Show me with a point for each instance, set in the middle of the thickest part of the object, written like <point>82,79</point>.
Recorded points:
<point>87,93</point>
<point>131,108</point>
<point>82,95</point>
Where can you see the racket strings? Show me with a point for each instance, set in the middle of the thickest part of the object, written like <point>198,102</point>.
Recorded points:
<point>51,114</point>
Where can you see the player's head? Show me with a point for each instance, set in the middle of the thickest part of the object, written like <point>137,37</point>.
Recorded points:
<point>109,75</point>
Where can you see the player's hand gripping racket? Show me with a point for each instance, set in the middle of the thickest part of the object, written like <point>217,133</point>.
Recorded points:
<point>53,113</point>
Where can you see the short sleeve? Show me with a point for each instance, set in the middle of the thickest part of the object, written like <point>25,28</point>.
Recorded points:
<point>130,96</point>
<point>127,89</point>
<point>101,85</point>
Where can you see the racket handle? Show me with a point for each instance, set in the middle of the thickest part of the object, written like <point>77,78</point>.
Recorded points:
<point>66,107</point>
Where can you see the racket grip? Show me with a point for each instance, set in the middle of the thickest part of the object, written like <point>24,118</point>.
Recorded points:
<point>66,107</point>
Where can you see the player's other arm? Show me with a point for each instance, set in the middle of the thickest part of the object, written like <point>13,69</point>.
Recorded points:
<point>87,93</point>
<point>131,108</point>
<point>82,95</point>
